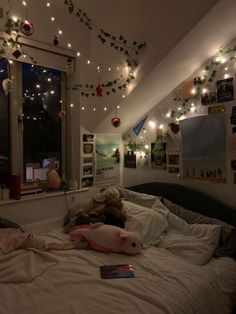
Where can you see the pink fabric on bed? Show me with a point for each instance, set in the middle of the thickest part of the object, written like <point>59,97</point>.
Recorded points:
<point>12,239</point>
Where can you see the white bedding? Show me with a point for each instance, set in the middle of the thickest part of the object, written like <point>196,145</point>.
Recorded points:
<point>163,283</point>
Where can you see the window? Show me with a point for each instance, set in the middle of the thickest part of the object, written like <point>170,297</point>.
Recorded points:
<point>41,91</point>
<point>4,124</point>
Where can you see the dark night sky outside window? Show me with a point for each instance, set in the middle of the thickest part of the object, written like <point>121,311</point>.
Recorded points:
<point>4,126</point>
<point>42,125</point>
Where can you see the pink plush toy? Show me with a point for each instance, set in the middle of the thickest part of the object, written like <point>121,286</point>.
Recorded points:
<point>107,238</point>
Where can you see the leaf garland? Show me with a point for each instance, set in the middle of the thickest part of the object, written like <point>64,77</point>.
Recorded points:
<point>88,90</point>
<point>119,43</point>
<point>205,81</point>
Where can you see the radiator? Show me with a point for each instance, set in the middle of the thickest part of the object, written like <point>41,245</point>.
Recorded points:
<point>44,226</point>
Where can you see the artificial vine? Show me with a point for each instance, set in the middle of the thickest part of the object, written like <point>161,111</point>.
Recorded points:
<point>119,43</point>
<point>110,86</point>
<point>205,81</point>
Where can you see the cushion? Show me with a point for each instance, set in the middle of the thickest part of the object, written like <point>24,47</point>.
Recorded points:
<point>192,217</point>
<point>195,243</point>
<point>143,199</point>
<point>148,223</point>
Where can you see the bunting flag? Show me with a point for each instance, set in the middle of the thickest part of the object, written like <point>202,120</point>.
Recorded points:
<point>139,126</point>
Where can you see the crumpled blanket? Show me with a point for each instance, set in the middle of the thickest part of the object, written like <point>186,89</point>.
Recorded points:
<point>13,239</point>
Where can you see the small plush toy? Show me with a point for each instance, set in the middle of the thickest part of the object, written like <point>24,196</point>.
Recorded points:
<point>7,86</point>
<point>107,238</point>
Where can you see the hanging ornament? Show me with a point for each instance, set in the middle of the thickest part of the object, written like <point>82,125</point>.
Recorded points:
<point>98,88</point>
<point>99,91</point>
<point>7,86</point>
<point>26,28</point>
<point>62,114</point>
<point>17,53</point>
<point>116,121</point>
<point>174,127</point>
<point>56,41</point>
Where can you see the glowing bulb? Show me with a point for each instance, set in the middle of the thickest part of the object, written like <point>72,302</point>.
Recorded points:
<point>60,32</point>
<point>152,124</point>
<point>204,90</point>
<point>94,109</point>
<point>226,68</point>
<point>14,18</point>
<point>193,109</point>
<point>226,75</point>
<point>123,96</point>
<point>78,54</point>
<point>52,92</point>
<point>98,68</point>
<point>118,68</point>
<point>179,108</point>
<point>24,56</point>
<point>88,62</point>
<point>10,61</point>
<point>71,105</point>
<point>24,3</point>
<point>161,126</point>
<point>109,69</point>
<point>141,137</point>
<point>118,107</point>
<point>192,104</point>
<point>146,146</point>
<point>168,115</point>
<point>193,91</point>
<point>37,86</point>
<point>52,18</point>
<point>105,108</point>
<point>144,131</point>
<point>69,45</point>
<point>82,108</point>
<point>49,80</point>
<point>48,4</point>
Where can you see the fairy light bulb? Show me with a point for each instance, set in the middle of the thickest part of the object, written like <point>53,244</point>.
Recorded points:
<point>204,91</point>
<point>123,96</point>
<point>78,54</point>
<point>69,45</point>
<point>71,105</point>
<point>168,115</point>
<point>49,80</point>
<point>226,75</point>
<point>48,4</point>
<point>94,109</point>
<point>60,32</point>
<point>118,107</point>
<point>109,69</point>
<point>88,61</point>
<point>52,18</point>
<point>82,108</point>
<point>14,18</point>
<point>24,3</point>
<point>105,108</point>
<point>193,91</point>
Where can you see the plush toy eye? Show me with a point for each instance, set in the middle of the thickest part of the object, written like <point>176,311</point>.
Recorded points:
<point>133,244</point>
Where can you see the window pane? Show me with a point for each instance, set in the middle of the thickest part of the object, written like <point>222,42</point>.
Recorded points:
<point>4,125</point>
<point>42,125</point>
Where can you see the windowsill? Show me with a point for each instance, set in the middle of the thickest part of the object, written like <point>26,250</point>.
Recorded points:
<point>41,195</point>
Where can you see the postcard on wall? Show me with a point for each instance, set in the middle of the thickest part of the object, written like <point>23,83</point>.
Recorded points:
<point>87,182</point>
<point>225,90</point>
<point>216,109</point>
<point>186,89</point>
<point>87,170</point>
<point>173,147</point>
<point>173,160</point>
<point>87,160</point>
<point>204,148</point>
<point>129,159</point>
<point>88,148</point>
<point>208,98</point>
<point>88,137</point>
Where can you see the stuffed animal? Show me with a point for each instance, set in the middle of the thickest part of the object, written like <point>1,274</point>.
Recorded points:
<point>107,238</point>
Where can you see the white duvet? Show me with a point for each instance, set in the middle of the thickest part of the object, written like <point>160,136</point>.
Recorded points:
<point>163,283</point>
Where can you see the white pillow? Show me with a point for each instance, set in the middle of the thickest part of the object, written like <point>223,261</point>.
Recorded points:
<point>145,221</point>
<point>194,242</point>
<point>140,198</point>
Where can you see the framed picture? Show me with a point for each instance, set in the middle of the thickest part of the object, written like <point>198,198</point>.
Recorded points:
<point>208,98</point>
<point>87,182</point>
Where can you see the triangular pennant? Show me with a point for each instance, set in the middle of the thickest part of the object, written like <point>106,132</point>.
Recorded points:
<point>139,126</point>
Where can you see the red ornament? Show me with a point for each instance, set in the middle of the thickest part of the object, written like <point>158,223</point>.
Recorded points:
<point>99,90</point>
<point>174,127</point>
<point>62,114</point>
<point>115,122</point>
<point>26,28</point>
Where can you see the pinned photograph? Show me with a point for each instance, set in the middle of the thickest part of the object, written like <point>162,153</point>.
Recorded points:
<point>225,90</point>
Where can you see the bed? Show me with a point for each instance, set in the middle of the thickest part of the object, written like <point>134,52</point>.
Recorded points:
<point>177,271</point>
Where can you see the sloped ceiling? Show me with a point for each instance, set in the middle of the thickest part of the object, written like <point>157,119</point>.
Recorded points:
<point>162,25</point>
